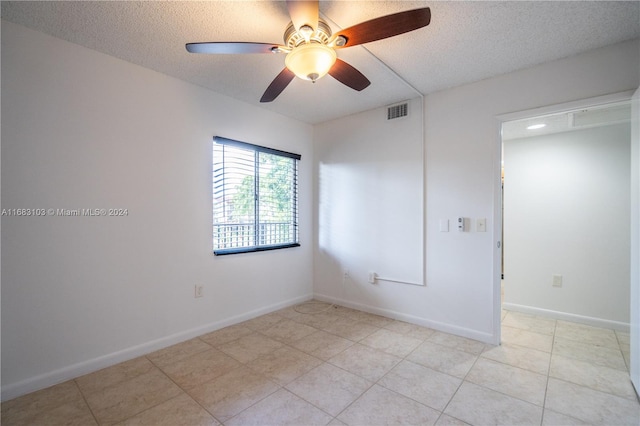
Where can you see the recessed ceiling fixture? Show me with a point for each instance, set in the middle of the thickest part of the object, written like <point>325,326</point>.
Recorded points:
<point>536,126</point>
<point>311,47</point>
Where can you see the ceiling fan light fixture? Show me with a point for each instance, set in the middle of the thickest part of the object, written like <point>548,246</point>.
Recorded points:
<point>311,61</point>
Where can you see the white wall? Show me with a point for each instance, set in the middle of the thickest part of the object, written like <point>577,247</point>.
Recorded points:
<point>369,208</point>
<point>567,213</point>
<point>84,130</point>
<point>462,179</point>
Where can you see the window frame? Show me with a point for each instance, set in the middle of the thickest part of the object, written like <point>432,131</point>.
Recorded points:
<point>257,149</point>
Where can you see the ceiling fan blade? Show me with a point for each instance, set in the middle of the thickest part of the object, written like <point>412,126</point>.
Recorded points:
<point>348,75</point>
<point>385,26</point>
<point>303,13</point>
<point>232,47</point>
<point>277,85</point>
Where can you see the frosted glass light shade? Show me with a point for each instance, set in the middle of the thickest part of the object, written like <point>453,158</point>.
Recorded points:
<point>310,61</point>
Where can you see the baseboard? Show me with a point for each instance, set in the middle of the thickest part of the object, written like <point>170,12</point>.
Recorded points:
<point>55,377</point>
<point>581,319</point>
<point>436,325</point>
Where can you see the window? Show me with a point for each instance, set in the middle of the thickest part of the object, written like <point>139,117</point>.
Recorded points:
<point>255,197</point>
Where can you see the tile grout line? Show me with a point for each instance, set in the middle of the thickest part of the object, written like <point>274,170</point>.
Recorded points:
<point>546,387</point>
<point>84,398</point>
<point>462,381</point>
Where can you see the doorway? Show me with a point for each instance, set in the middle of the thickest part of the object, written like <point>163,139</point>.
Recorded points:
<point>565,192</point>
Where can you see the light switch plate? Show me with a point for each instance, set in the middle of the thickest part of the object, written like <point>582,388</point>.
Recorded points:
<point>481,225</point>
<point>444,225</point>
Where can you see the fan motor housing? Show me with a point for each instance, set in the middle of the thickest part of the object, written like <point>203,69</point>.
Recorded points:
<point>293,37</point>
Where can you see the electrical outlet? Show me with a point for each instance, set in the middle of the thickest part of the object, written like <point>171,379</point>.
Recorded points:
<point>557,281</point>
<point>199,291</point>
<point>372,277</point>
<point>345,274</point>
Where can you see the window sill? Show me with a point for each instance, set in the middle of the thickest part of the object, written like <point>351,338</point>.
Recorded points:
<point>239,250</point>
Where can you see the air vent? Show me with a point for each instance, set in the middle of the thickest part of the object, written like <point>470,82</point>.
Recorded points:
<point>602,116</point>
<point>397,111</point>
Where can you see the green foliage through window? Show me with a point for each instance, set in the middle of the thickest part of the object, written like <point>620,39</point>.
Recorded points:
<point>255,197</point>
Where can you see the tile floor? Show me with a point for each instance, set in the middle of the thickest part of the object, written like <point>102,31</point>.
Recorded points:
<point>343,366</point>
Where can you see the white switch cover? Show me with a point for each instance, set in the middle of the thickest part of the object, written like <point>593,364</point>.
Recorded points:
<point>481,225</point>
<point>444,225</point>
<point>557,281</point>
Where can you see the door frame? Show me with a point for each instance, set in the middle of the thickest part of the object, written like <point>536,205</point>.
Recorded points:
<point>497,190</point>
<point>634,321</point>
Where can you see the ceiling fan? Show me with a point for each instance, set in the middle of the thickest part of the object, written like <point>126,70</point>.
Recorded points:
<point>311,47</point>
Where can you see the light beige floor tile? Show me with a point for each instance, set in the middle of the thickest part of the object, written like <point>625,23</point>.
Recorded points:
<point>477,405</point>
<point>226,335</point>
<point>551,418</point>
<point>330,388</point>
<point>313,307</point>
<point>318,320</point>
<point>200,368</point>
<point>289,313</point>
<point>380,406</point>
<point>521,357</point>
<point>344,311</point>
<point>599,355</point>
<point>250,347</point>
<point>446,360</point>
<point>178,352</point>
<point>288,331</point>
<point>365,362</point>
<point>530,323</point>
<point>391,342</point>
<point>371,319</point>
<point>591,406</point>
<point>627,359</point>
<point>587,334</point>
<point>281,408</point>
<point>512,381</point>
<point>624,338</point>
<point>110,376</point>
<point>456,342</point>
<point>336,422</point>
<point>411,330</point>
<point>20,410</point>
<point>350,329</point>
<point>596,377</point>
<point>422,384</point>
<point>75,413</point>
<point>284,364</point>
<point>263,321</point>
<point>322,345</point>
<point>528,339</point>
<point>233,392</point>
<point>446,420</point>
<point>137,392</point>
<point>126,399</point>
<point>179,411</point>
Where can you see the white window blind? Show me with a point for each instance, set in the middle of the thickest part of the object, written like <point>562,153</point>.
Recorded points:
<point>255,197</point>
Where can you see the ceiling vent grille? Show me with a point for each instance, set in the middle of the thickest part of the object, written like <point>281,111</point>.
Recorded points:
<point>397,111</point>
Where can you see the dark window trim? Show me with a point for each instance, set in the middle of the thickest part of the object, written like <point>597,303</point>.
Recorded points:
<point>240,144</point>
<point>225,252</point>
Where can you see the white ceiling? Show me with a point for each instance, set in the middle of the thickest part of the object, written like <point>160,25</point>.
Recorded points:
<point>465,42</point>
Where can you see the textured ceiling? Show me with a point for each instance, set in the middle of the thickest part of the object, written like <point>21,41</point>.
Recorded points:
<point>465,42</point>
